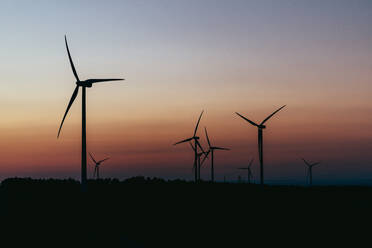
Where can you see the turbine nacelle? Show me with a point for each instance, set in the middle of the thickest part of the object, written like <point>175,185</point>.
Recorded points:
<point>84,83</point>
<point>261,126</point>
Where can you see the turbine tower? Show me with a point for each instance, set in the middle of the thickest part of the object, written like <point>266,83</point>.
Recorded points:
<point>199,163</point>
<point>97,165</point>
<point>249,171</point>
<point>260,128</point>
<point>83,84</point>
<point>309,175</point>
<point>196,145</point>
<point>211,150</point>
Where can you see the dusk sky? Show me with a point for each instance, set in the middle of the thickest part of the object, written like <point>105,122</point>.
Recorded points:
<point>179,58</point>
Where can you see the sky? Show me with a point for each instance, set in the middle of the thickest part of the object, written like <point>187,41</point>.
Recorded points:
<point>179,58</point>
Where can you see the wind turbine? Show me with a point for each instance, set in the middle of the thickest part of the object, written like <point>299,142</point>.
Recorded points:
<point>260,128</point>
<point>310,171</point>
<point>196,145</point>
<point>83,84</point>
<point>96,167</point>
<point>211,150</point>
<point>249,176</point>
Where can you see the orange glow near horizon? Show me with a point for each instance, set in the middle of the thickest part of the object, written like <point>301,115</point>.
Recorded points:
<point>141,146</point>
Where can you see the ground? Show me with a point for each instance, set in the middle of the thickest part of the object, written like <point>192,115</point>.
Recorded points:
<point>142,212</point>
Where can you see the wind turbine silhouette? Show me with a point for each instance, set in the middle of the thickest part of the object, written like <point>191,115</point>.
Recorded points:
<point>96,167</point>
<point>211,150</point>
<point>83,84</point>
<point>310,171</point>
<point>249,176</point>
<point>196,145</point>
<point>260,128</point>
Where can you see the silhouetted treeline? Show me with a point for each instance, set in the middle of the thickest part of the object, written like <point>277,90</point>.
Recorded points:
<point>152,212</point>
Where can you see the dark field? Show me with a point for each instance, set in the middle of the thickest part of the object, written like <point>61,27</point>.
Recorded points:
<point>143,212</point>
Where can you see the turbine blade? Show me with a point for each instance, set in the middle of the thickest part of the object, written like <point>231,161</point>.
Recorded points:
<point>267,118</point>
<point>91,156</point>
<point>198,144</point>
<point>103,80</point>
<point>74,94</point>
<point>71,62</point>
<point>206,134</point>
<point>102,160</point>
<point>197,124</point>
<point>315,163</point>
<point>254,124</point>
<point>308,164</point>
<point>250,163</point>
<point>205,156</point>
<point>192,147</point>
<point>182,141</point>
<point>221,148</point>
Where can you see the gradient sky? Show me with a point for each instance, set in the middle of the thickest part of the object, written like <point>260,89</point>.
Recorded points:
<point>179,57</point>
